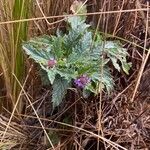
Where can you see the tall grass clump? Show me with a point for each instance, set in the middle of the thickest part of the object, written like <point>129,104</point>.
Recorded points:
<point>11,59</point>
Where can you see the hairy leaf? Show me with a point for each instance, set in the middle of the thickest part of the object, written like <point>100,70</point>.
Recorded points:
<point>116,53</point>
<point>57,46</point>
<point>39,49</point>
<point>60,87</point>
<point>126,67</point>
<point>51,73</point>
<point>34,54</point>
<point>77,24</point>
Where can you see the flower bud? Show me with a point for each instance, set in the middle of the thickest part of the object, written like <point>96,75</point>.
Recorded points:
<point>82,81</point>
<point>52,63</point>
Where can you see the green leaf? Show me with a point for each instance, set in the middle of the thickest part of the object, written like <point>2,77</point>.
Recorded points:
<point>108,81</point>
<point>57,46</point>
<point>96,52</point>
<point>89,88</point>
<point>60,87</point>
<point>34,54</point>
<point>77,24</point>
<point>126,67</point>
<point>67,74</point>
<point>84,43</point>
<point>51,73</point>
<point>42,43</point>
<point>104,78</point>
<point>116,53</point>
<point>73,40</point>
<point>39,49</point>
<point>114,61</point>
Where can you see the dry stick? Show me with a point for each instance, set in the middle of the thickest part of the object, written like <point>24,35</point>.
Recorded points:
<point>144,60</point>
<point>100,98</point>
<point>119,94</point>
<point>34,111</point>
<point>118,19</point>
<point>102,73</point>
<point>100,108</point>
<point>44,17</point>
<point>61,16</point>
<point>140,115</point>
<point>113,144</point>
<point>144,21</point>
<point>142,13</point>
<point>15,107</point>
<point>42,12</point>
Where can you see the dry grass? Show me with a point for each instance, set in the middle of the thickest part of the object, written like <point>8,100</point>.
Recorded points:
<point>11,58</point>
<point>118,121</point>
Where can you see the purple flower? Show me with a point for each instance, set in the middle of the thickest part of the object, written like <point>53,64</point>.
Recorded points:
<point>51,63</point>
<point>82,81</point>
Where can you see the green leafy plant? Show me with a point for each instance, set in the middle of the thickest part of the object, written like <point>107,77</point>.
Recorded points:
<point>77,59</point>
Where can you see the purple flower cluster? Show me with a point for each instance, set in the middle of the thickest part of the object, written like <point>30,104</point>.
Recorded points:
<point>82,81</point>
<point>51,63</point>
